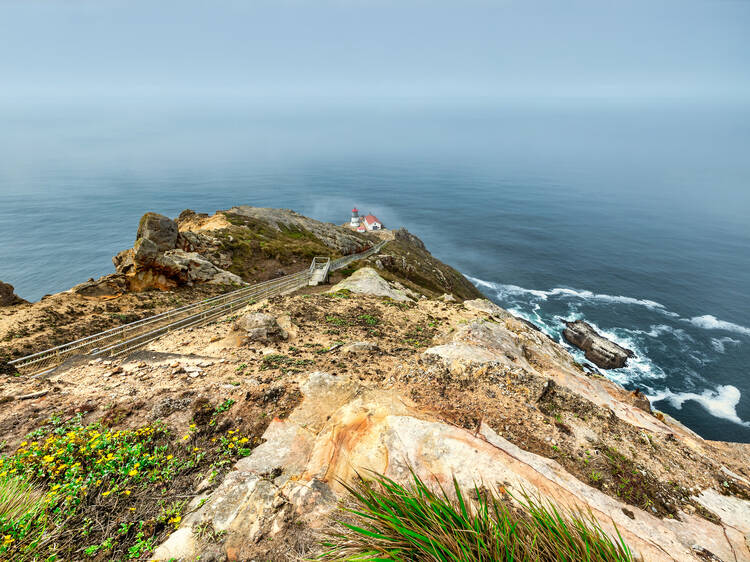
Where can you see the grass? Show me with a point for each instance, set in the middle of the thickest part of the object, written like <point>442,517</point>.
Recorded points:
<point>389,521</point>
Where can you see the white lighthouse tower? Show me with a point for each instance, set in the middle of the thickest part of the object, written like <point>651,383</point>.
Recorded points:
<point>354,222</point>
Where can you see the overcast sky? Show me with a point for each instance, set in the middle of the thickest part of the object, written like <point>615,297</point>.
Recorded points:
<point>402,48</point>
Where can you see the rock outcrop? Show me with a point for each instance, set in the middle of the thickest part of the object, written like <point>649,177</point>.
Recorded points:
<point>291,481</point>
<point>8,297</point>
<point>367,281</point>
<point>598,349</point>
<point>156,261</point>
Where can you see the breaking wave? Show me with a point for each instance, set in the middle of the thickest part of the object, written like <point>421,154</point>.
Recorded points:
<point>674,340</point>
<point>708,322</point>
<point>720,403</point>
<point>515,290</point>
<point>719,344</point>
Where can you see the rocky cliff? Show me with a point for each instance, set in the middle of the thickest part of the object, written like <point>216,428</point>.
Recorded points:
<point>232,440</point>
<point>259,417</point>
<point>176,262</point>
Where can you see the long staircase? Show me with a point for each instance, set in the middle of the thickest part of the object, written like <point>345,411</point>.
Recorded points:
<point>128,337</point>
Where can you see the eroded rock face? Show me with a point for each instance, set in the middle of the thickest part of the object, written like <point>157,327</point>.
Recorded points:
<point>598,349</point>
<point>260,327</point>
<point>8,297</point>
<point>289,484</point>
<point>367,281</point>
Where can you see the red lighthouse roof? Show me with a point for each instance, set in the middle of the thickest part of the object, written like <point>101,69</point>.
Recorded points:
<point>355,210</point>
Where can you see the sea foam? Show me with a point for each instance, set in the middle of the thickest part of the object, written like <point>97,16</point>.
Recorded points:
<point>720,403</point>
<point>708,322</point>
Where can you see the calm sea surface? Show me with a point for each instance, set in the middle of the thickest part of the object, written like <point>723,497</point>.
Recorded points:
<point>635,218</point>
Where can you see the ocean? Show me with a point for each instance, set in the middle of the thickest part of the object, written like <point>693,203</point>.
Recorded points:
<point>634,216</point>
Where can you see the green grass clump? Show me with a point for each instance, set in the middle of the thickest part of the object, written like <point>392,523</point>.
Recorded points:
<point>389,521</point>
<point>22,512</point>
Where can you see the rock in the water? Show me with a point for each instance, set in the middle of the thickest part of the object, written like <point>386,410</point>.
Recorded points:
<point>161,230</point>
<point>7,296</point>
<point>367,281</point>
<point>260,327</point>
<point>598,349</point>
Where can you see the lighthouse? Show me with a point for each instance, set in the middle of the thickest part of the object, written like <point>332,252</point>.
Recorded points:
<point>354,222</point>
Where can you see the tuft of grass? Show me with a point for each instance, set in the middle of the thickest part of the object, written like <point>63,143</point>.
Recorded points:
<point>389,521</point>
<point>22,513</point>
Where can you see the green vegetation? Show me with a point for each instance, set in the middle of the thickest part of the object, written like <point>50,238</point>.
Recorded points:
<point>283,362</point>
<point>388,521</point>
<point>337,320</point>
<point>73,491</point>
<point>369,319</point>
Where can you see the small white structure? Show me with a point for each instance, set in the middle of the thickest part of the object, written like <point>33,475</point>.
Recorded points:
<point>372,223</point>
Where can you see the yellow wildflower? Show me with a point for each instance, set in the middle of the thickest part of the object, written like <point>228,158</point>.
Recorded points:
<point>169,457</point>
<point>132,472</point>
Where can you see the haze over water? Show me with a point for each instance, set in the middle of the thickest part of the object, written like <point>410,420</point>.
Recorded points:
<point>619,196</point>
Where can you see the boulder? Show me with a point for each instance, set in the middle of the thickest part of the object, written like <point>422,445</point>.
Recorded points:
<point>367,281</point>
<point>262,327</point>
<point>8,297</point>
<point>359,347</point>
<point>598,349</point>
<point>161,230</point>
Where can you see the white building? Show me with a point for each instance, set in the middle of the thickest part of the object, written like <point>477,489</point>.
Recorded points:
<point>372,223</point>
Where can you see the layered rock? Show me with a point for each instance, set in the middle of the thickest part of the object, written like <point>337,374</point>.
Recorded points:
<point>8,297</point>
<point>342,427</point>
<point>598,349</point>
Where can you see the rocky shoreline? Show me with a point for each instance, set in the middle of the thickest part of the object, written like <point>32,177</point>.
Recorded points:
<point>399,365</point>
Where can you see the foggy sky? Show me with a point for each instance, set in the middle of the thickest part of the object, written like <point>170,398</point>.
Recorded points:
<point>425,49</point>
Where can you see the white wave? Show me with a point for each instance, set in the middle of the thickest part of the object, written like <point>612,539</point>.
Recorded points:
<point>583,294</point>
<point>708,322</point>
<point>719,344</point>
<point>720,403</point>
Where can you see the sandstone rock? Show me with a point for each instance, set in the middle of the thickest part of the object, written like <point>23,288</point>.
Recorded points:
<point>106,286</point>
<point>190,267</point>
<point>448,298</point>
<point>367,281</point>
<point>359,347</point>
<point>124,262</point>
<point>161,230</point>
<point>599,350</point>
<point>8,297</point>
<point>486,306</point>
<point>341,427</point>
<point>261,327</point>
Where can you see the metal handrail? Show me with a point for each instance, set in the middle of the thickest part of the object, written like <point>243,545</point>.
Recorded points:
<point>120,339</point>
